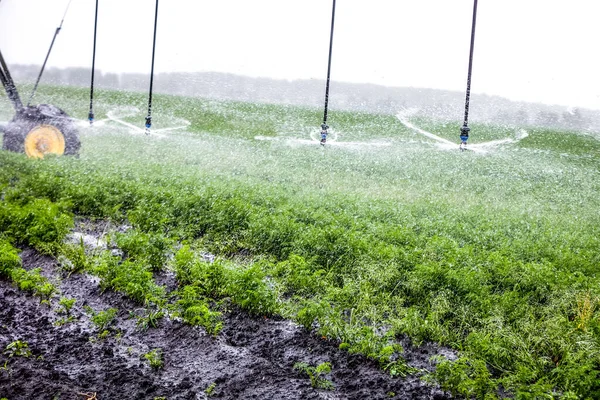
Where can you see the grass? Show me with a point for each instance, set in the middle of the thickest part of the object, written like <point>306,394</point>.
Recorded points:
<point>494,255</point>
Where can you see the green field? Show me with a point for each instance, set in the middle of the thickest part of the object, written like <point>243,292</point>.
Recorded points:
<point>379,235</point>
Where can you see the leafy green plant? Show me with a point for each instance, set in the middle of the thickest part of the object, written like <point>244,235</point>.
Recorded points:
<point>249,290</point>
<point>130,277</point>
<point>147,247</point>
<point>150,318</point>
<point>66,304</point>
<point>39,223</point>
<point>210,390</point>
<point>73,258</point>
<point>316,374</point>
<point>18,348</point>
<point>212,278</point>
<point>9,258</point>
<point>465,377</point>
<point>32,281</point>
<point>155,358</point>
<point>102,320</point>
<point>195,310</point>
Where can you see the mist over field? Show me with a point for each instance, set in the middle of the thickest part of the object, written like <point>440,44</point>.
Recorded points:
<point>440,104</point>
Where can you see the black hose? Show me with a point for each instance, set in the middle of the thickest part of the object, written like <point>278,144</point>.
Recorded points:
<point>91,113</point>
<point>149,117</point>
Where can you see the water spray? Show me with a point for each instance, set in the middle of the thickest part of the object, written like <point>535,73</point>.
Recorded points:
<point>464,130</point>
<point>91,113</point>
<point>149,117</point>
<point>324,126</point>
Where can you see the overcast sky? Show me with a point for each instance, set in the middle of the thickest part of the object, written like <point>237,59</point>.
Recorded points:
<point>533,50</point>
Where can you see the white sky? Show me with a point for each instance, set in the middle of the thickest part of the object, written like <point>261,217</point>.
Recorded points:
<point>533,50</point>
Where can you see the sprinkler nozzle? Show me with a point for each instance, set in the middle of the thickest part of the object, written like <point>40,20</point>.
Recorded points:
<point>464,136</point>
<point>324,133</point>
<point>148,124</point>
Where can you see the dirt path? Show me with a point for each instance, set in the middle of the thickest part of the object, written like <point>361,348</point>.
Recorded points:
<point>250,359</point>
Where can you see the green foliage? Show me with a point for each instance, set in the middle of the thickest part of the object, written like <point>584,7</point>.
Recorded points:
<point>133,278</point>
<point>18,348</point>
<point>211,279</point>
<point>102,320</point>
<point>150,318</point>
<point>155,358</point>
<point>73,258</point>
<point>502,266</point>
<point>150,248</point>
<point>299,277</point>
<point>247,287</point>
<point>9,258</point>
<point>249,290</point>
<point>195,310</point>
<point>210,390</point>
<point>66,304</point>
<point>465,377</point>
<point>33,282</point>
<point>316,374</point>
<point>39,223</point>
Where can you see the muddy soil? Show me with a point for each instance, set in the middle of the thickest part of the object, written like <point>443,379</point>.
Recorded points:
<point>252,358</point>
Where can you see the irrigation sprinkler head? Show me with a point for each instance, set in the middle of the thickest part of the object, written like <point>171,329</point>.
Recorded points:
<point>464,136</point>
<point>148,124</point>
<point>324,133</point>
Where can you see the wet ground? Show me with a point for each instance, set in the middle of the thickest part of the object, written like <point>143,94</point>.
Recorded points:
<point>252,358</point>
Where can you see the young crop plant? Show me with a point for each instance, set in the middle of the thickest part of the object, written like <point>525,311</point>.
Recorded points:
<point>466,378</point>
<point>102,320</point>
<point>210,390</point>
<point>18,348</point>
<point>73,258</point>
<point>66,305</point>
<point>40,224</point>
<point>299,276</point>
<point>316,374</point>
<point>150,318</point>
<point>9,258</point>
<point>155,358</point>
<point>195,310</point>
<point>249,290</point>
<point>152,248</point>
<point>211,278</point>
<point>130,277</point>
<point>32,281</point>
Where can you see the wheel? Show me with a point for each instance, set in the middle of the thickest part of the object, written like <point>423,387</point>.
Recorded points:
<point>40,130</point>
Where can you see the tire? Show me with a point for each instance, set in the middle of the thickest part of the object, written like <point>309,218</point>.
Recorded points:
<point>41,130</point>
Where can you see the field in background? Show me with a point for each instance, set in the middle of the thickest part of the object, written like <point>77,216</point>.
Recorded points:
<point>380,234</point>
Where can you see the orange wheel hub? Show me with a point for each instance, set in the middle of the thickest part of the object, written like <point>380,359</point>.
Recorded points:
<point>44,139</point>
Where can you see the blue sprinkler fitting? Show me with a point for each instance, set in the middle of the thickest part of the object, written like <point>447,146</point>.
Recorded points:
<point>324,132</point>
<point>464,136</point>
<point>148,124</point>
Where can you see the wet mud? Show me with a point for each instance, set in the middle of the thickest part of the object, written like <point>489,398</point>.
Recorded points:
<point>252,358</point>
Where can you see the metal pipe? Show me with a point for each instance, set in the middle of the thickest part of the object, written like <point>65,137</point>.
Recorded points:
<point>329,64</point>
<point>149,117</point>
<point>9,85</point>
<point>464,130</point>
<point>91,113</point>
